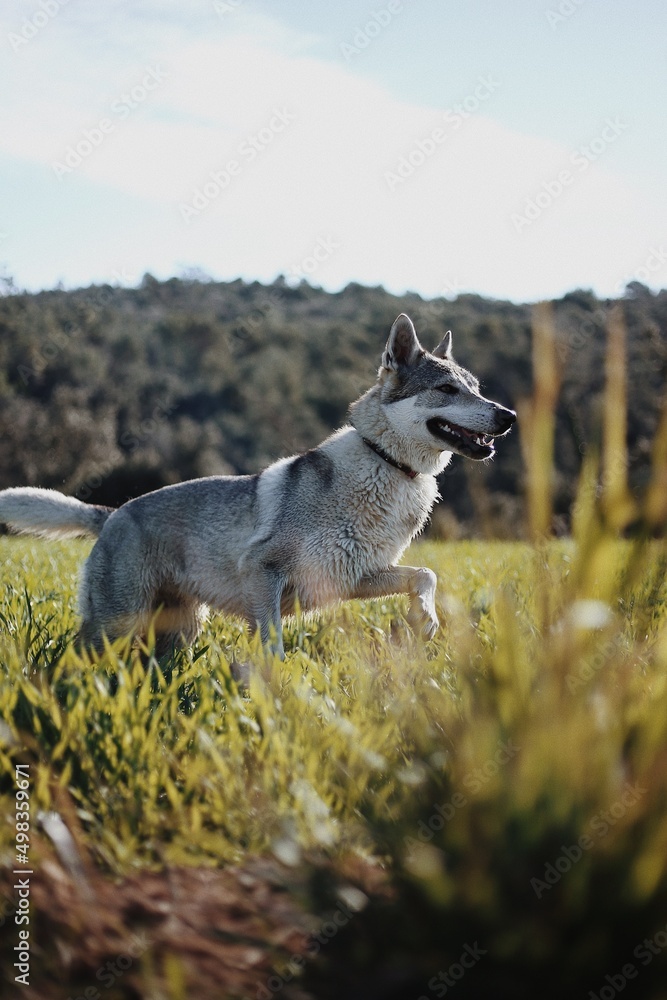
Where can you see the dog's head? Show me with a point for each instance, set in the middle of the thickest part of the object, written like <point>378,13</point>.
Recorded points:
<point>431,398</point>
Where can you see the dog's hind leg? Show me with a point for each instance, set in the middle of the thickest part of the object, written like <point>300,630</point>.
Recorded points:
<point>177,624</point>
<point>114,599</point>
<point>417,582</point>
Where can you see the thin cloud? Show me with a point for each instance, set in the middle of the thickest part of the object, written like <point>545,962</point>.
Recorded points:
<point>320,153</point>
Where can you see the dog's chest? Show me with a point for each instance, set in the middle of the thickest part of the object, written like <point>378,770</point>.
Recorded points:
<point>330,519</point>
<point>379,518</point>
<point>399,508</point>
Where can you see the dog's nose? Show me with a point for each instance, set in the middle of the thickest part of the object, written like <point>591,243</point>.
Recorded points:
<point>505,419</point>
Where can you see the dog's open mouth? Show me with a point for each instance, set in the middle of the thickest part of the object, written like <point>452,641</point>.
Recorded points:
<point>470,444</point>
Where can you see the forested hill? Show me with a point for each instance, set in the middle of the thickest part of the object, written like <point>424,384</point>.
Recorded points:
<point>106,392</point>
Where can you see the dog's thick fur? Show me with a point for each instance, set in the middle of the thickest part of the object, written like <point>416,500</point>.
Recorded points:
<point>320,527</point>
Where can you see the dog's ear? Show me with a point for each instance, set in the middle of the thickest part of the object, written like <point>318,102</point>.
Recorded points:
<point>444,348</point>
<point>402,348</point>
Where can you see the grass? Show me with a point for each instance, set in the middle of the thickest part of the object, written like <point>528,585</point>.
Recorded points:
<point>464,768</point>
<point>498,796</point>
<point>175,764</point>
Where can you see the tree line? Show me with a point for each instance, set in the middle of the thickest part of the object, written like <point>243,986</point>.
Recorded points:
<point>108,392</point>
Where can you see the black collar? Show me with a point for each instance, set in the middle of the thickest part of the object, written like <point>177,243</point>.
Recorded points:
<point>410,473</point>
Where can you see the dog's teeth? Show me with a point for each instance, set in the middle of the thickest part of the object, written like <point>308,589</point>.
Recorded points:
<point>460,432</point>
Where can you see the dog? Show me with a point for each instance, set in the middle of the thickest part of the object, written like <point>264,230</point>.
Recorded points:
<point>320,527</point>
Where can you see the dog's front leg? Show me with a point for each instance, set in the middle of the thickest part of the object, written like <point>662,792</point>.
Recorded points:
<point>272,635</point>
<point>266,588</point>
<point>417,582</point>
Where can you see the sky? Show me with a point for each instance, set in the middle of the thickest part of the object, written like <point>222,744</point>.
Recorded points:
<point>515,150</point>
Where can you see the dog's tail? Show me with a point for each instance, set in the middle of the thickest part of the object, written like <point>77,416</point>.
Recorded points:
<point>27,510</point>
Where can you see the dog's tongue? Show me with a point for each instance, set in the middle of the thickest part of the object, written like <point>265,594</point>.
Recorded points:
<point>463,431</point>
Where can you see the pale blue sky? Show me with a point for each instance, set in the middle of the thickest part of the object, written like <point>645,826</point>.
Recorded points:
<point>512,149</point>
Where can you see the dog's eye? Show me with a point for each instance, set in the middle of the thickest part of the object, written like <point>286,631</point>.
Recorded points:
<point>451,390</point>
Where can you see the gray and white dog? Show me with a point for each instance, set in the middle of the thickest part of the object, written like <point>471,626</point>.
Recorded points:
<point>320,527</point>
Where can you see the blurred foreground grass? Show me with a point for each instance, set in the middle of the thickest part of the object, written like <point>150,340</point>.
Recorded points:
<point>507,783</point>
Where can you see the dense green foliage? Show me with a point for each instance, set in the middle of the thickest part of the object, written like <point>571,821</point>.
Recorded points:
<point>109,392</point>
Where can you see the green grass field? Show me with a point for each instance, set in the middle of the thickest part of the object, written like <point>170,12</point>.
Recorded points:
<point>160,759</point>
<point>503,788</point>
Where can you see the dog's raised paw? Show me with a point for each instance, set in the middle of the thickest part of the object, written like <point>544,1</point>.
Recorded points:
<point>423,622</point>
<point>429,628</point>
